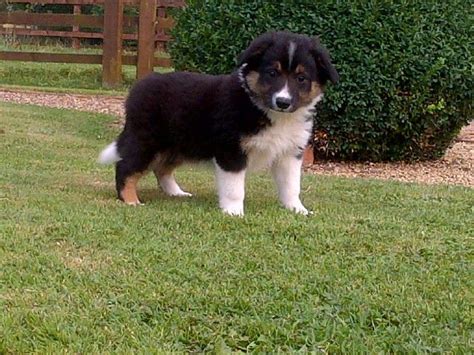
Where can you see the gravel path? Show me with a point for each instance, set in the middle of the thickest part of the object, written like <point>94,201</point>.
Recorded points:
<point>456,167</point>
<point>112,105</point>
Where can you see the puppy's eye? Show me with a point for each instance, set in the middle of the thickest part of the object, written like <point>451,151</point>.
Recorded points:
<point>272,73</point>
<point>301,78</point>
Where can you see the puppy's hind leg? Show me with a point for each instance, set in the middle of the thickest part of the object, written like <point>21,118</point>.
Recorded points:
<point>128,171</point>
<point>126,181</point>
<point>165,176</point>
<point>129,192</point>
<point>171,187</point>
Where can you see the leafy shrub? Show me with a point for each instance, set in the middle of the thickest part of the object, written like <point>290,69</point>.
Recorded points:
<point>406,66</point>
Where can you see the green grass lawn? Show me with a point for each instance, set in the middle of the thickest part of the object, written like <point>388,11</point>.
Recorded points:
<point>380,267</point>
<point>59,76</point>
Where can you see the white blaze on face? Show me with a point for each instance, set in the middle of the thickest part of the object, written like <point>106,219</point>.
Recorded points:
<point>284,93</point>
<point>291,53</point>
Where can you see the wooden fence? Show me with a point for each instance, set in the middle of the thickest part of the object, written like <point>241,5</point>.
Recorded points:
<point>148,28</point>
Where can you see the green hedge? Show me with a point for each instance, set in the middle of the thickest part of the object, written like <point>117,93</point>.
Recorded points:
<point>406,67</point>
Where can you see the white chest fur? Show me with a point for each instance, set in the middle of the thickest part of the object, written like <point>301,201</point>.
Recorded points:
<point>288,134</point>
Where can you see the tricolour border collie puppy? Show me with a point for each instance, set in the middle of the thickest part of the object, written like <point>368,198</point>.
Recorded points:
<point>257,117</point>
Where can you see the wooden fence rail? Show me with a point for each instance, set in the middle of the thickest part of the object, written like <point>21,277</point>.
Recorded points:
<point>147,29</point>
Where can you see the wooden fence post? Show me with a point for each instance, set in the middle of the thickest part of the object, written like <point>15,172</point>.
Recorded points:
<point>76,43</point>
<point>112,48</point>
<point>146,38</point>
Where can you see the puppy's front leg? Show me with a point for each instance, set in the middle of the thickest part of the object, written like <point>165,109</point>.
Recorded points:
<point>231,190</point>
<point>286,172</point>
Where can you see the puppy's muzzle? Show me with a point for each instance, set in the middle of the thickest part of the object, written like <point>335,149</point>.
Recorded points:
<point>283,103</point>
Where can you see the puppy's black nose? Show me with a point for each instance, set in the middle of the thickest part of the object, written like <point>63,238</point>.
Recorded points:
<point>283,102</point>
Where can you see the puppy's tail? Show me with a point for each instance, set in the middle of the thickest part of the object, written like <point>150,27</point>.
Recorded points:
<point>109,155</point>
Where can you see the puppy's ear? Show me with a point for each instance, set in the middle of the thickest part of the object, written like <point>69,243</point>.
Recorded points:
<point>252,55</point>
<point>326,70</point>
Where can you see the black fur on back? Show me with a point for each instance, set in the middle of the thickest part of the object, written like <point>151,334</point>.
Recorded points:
<point>189,116</point>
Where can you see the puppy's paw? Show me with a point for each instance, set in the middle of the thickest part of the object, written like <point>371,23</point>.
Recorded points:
<point>134,203</point>
<point>233,210</point>
<point>181,194</point>
<point>298,208</point>
<point>303,211</point>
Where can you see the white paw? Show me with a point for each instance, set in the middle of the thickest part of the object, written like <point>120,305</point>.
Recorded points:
<point>180,194</point>
<point>236,213</point>
<point>298,208</point>
<point>134,203</point>
<point>234,210</point>
<point>302,210</point>
<point>171,188</point>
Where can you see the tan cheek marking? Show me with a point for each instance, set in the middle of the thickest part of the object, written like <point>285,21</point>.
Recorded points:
<point>307,98</point>
<point>129,191</point>
<point>252,81</point>
<point>315,90</point>
<point>278,66</point>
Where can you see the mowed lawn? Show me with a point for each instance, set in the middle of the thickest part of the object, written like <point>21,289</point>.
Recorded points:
<point>379,267</point>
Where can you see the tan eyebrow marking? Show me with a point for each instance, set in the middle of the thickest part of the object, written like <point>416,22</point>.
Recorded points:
<point>300,69</point>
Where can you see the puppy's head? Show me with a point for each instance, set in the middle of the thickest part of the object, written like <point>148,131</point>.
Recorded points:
<point>283,71</point>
